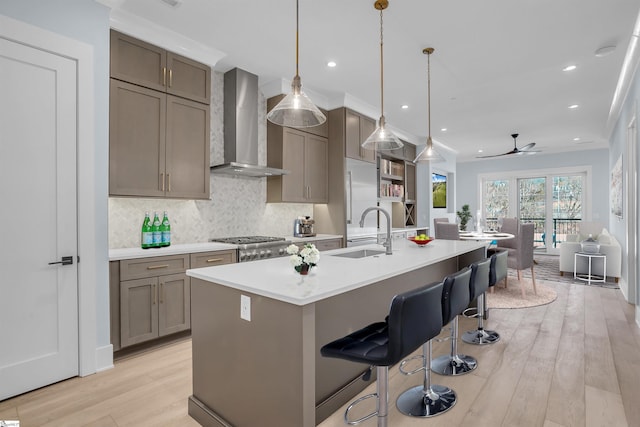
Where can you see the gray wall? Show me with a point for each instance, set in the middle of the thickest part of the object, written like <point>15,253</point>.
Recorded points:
<point>88,22</point>
<point>617,143</point>
<point>468,172</point>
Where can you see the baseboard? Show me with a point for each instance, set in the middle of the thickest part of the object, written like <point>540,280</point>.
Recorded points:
<point>638,316</point>
<point>104,358</point>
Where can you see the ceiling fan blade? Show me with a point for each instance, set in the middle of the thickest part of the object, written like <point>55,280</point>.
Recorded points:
<point>527,149</point>
<point>494,155</point>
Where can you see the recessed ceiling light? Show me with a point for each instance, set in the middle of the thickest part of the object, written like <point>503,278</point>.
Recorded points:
<point>331,64</point>
<point>577,138</point>
<point>480,150</point>
<point>604,51</point>
<point>404,107</point>
<point>443,129</point>
<point>569,68</point>
<point>573,106</point>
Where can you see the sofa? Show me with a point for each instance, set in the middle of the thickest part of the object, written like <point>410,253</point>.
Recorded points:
<point>609,246</point>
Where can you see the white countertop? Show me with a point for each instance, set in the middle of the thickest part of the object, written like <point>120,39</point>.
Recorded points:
<point>129,253</point>
<point>275,278</point>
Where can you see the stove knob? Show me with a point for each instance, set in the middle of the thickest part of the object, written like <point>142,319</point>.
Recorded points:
<point>267,253</point>
<point>254,255</point>
<point>261,254</point>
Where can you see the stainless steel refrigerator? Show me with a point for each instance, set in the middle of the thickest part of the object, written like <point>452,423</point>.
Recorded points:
<point>361,191</point>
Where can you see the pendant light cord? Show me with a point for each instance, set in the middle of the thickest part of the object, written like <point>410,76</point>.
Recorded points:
<point>297,31</point>
<point>381,70</point>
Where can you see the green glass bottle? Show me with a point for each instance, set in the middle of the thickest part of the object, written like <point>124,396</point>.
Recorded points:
<point>155,229</point>
<point>165,230</point>
<point>147,235</point>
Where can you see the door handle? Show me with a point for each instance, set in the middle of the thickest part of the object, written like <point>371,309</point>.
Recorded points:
<point>66,260</point>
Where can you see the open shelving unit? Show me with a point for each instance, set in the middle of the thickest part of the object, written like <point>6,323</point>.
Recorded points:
<point>397,184</point>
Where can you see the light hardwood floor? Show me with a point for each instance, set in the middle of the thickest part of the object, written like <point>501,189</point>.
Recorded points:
<point>575,362</point>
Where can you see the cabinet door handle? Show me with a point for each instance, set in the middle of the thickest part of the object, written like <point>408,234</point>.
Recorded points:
<point>168,182</point>
<point>162,181</point>
<point>153,294</point>
<point>154,267</point>
<point>161,292</point>
<point>214,260</point>
<point>170,77</point>
<point>164,76</point>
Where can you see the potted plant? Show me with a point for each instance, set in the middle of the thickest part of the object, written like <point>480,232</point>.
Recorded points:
<point>465,215</point>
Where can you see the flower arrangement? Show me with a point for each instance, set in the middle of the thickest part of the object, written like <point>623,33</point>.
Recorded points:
<point>303,259</point>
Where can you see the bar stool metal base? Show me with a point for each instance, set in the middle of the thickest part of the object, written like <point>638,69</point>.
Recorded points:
<point>416,403</point>
<point>459,364</point>
<point>480,337</point>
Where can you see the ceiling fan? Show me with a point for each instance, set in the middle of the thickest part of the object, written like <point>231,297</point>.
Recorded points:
<point>527,149</point>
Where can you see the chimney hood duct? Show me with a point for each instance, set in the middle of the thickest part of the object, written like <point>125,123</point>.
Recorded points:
<point>241,127</point>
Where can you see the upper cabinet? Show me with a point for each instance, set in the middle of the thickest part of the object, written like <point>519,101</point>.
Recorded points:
<point>356,129</point>
<point>158,141</point>
<point>305,156</point>
<point>304,153</point>
<point>147,65</point>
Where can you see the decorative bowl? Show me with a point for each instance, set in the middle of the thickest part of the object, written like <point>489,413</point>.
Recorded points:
<point>421,242</point>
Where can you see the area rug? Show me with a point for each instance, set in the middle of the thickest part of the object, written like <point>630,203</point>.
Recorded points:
<point>511,297</point>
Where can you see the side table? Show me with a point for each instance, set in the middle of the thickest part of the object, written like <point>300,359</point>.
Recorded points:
<point>590,277</point>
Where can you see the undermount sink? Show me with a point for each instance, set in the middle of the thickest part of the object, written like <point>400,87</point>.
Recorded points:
<point>362,253</point>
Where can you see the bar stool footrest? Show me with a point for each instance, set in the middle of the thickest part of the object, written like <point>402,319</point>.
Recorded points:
<point>354,403</point>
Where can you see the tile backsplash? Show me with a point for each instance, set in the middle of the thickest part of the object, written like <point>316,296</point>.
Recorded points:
<point>237,207</point>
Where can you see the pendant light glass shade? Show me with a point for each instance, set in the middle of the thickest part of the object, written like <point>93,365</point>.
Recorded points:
<point>428,153</point>
<point>296,109</point>
<point>382,139</point>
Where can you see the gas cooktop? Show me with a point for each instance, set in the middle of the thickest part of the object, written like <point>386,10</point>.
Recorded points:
<point>246,240</point>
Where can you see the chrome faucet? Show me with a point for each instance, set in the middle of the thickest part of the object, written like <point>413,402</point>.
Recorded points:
<point>386,244</point>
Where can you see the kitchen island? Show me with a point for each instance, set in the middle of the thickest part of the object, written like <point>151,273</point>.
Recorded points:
<point>268,370</point>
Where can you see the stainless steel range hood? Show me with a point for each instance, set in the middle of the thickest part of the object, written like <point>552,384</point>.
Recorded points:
<point>241,127</point>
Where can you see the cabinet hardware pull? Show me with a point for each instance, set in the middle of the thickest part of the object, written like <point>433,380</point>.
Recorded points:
<point>153,267</point>
<point>170,77</point>
<point>214,259</point>
<point>164,76</point>
<point>162,180</point>
<point>153,295</point>
<point>168,182</point>
<point>161,293</point>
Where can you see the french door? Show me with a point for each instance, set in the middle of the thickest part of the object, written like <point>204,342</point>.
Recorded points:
<point>554,202</point>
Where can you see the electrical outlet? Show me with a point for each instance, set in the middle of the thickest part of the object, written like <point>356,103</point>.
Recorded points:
<point>245,308</point>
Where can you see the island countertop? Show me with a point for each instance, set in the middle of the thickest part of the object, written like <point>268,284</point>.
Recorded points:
<point>334,275</point>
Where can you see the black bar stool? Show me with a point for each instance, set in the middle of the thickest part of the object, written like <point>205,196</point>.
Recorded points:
<point>478,285</point>
<point>409,325</point>
<point>455,299</point>
<point>426,400</point>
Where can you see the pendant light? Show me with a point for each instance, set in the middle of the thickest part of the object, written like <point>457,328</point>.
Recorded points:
<point>429,154</point>
<point>382,138</point>
<point>296,109</point>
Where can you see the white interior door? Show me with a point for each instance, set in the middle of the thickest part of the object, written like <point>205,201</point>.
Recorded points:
<point>38,301</point>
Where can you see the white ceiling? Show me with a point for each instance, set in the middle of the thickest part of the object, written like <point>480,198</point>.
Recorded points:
<point>496,70</point>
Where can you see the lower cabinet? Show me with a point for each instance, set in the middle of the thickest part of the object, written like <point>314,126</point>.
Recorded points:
<point>154,307</point>
<point>151,297</point>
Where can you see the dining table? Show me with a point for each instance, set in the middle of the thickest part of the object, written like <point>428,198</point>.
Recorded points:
<point>485,235</point>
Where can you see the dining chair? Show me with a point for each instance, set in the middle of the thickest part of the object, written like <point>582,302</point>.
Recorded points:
<point>447,231</point>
